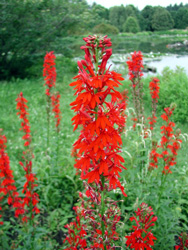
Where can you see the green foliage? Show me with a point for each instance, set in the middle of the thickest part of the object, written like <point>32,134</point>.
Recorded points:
<point>162,20</point>
<point>147,14</point>
<point>131,25</point>
<point>28,28</point>
<point>117,16</point>
<point>143,185</point>
<point>101,11</point>
<point>181,18</point>
<point>174,90</point>
<point>57,182</point>
<point>105,29</point>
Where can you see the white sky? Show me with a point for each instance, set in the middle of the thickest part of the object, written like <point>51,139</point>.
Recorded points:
<point>137,3</point>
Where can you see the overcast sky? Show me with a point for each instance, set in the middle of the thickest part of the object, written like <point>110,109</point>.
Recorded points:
<point>137,3</point>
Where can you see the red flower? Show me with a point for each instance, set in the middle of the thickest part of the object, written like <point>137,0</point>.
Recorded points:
<point>183,242</point>
<point>154,91</point>
<point>170,142</point>
<point>135,65</point>
<point>31,198</point>
<point>89,220</point>
<point>55,99</point>
<point>22,107</point>
<point>76,234</point>
<point>49,71</point>
<point>98,145</point>
<point>141,238</point>
<point>7,187</point>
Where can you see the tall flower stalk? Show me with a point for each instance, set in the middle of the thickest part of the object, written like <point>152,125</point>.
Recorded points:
<point>7,184</point>
<point>55,102</point>
<point>98,112</point>
<point>31,198</point>
<point>135,66</point>
<point>154,92</point>
<point>170,144</point>
<point>49,74</point>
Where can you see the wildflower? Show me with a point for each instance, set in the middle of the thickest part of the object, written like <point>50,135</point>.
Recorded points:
<point>154,156</point>
<point>142,238</point>
<point>7,183</point>
<point>22,113</point>
<point>88,222</point>
<point>154,91</point>
<point>49,72</point>
<point>183,242</point>
<point>135,65</point>
<point>99,142</point>
<point>31,198</point>
<point>170,142</point>
<point>76,233</point>
<point>55,99</point>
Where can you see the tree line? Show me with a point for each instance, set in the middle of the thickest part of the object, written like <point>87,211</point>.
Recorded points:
<point>28,28</point>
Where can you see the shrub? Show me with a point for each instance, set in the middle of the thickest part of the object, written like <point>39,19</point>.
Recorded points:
<point>174,85</point>
<point>105,28</point>
<point>131,25</point>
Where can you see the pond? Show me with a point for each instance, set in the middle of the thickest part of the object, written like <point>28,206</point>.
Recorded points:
<point>172,61</point>
<point>157,62</point>
<point>159,52</point>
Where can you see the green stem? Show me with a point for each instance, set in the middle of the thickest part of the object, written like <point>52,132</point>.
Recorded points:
<point>163,180</point>
<point>103,210</point>
<point>48,121</point>
<point>57,149</point>
<point>102,177</point>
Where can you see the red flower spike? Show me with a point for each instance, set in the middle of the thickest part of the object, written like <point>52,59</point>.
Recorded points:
<point>55,99</point>
<point>170,142</point>
<point>7,187</point>
<point>49,71</point>
<point>31,198</point>
<point>141,238</point>
<point>99,143</point>
<point>22,113</point>
<point>88,220</point>
<point>135,66</point>
<point>154,91</point>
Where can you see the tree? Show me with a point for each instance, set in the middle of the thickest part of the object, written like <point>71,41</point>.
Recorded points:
<point>101,11</point>
<point>162,20</point>
<point>117,16</point>
<point>30,28</point>
<point>131,25</point>
<point>181,18</point>
<point>147,14</point>
<point>130,10</point>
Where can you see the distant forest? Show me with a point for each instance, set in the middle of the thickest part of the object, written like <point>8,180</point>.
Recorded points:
<point>152,18</point>
<point>30,27</point>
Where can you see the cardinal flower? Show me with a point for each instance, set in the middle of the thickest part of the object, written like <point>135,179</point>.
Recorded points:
<point>142,238</point>
<point>8,189</point>
<point>31,198</point>
<point>99,114</point>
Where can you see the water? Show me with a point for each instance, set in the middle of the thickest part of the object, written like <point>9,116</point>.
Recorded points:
<point>158,52</point>
<point>158,62</point>
<point>172,61</point>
